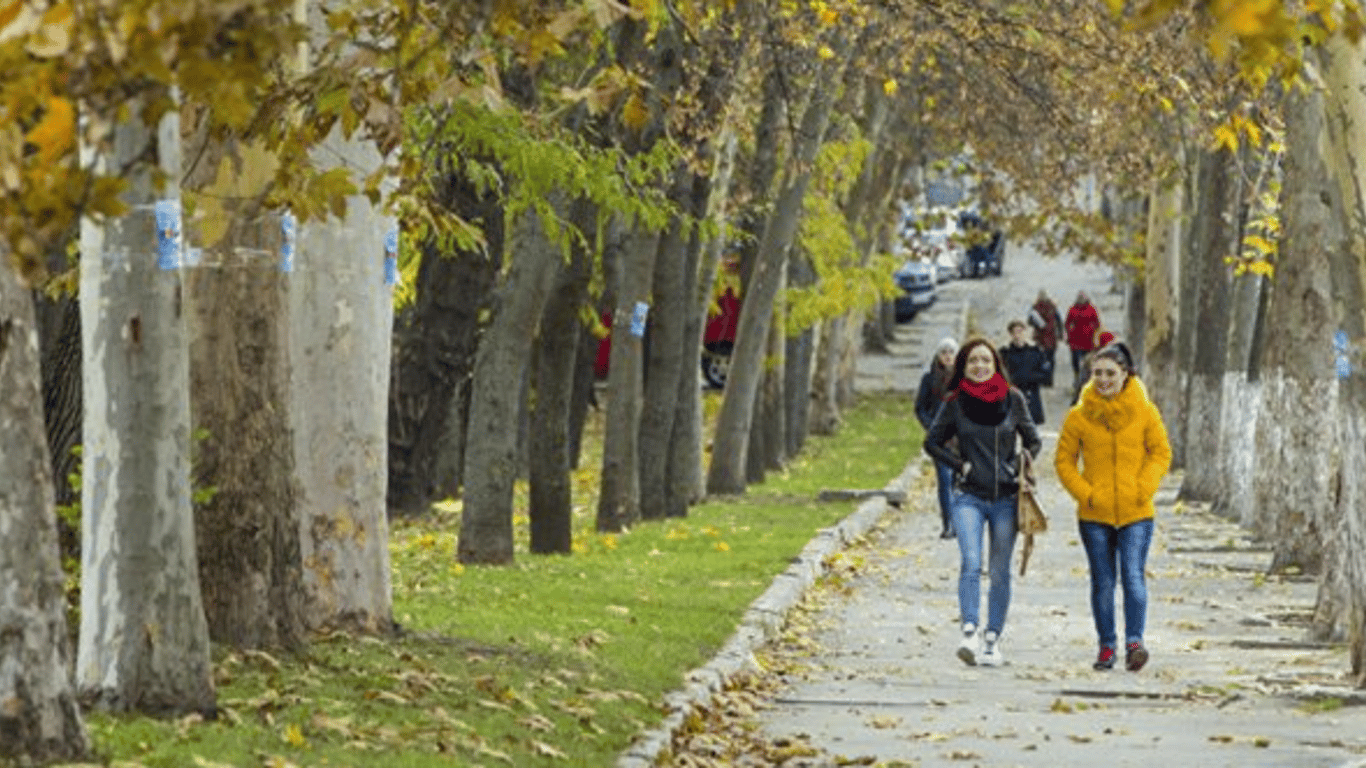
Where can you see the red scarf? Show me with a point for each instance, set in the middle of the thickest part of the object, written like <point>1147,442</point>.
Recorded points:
<point>993,390</point>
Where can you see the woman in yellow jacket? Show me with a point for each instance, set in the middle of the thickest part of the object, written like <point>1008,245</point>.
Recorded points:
<point>1118,435</point>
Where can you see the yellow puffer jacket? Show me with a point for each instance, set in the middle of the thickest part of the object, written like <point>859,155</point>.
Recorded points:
<point>1124,453</point>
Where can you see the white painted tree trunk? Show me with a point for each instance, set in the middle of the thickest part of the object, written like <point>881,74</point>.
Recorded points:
<point>39,717</point>
<point>341,316</point>
<point>144,642</point>
<point>1342,605</point>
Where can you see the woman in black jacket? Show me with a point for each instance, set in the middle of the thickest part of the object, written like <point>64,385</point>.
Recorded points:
<point>1027,367</point>
<point>933,386</point>
<point>987,417</point>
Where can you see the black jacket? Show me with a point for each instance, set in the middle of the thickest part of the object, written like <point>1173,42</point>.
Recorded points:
<point>931,393</point>
<point>1029,366</point>
<point>989,447</point>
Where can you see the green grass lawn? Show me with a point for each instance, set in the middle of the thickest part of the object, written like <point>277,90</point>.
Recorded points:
<point>553,661</point>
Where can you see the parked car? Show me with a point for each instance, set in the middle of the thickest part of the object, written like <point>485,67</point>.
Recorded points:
<point>933,235</point>
<point>916,279</point>
<point>718,340</point>
<point>985,246</point>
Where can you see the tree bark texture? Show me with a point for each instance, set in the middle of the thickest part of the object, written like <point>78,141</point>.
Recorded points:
<point>1294,485</point>
<point>825,410</point>
<point>237,300</point>
<point>59,342</point>
<point>1161,279</point>
<point>619,495</point>
<point>1213,237</point>
<point>40,719</point>
<point>672,355</point>
<point>341,322</point>
<point>1341,610</point>
<point>729,449</point>
<point>435,342</point>
<point>557,348</point>
<point>492,461</point>
<point>138,562</point>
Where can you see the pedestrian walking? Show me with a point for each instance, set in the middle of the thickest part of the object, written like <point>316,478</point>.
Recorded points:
<point>934,385</point>
<point>1117,433</point>
<point>1026,366</point>
<point>1083,321</point>
<point>1047,325</point>
<point>988,418</point>
<point>1102,338</point>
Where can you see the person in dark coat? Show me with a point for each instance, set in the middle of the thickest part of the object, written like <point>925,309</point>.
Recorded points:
<point>1027,366</point>
<point>986,419</point>
<point>933,385</point>
<point>1046,321</point>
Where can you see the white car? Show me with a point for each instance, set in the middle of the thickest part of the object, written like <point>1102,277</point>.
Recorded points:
<point>933,235</point>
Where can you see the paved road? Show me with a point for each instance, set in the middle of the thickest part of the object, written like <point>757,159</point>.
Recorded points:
<point>1228,667</point>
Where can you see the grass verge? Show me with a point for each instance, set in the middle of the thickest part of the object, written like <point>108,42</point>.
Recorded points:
<point>553,661</point>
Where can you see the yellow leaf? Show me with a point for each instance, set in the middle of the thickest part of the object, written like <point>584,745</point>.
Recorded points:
<point>825,53</point>
<point>634,114</point>
<point>55,133</point>
<point>53,36</point>
<point>889,86</point>
<point>829,16</point>
<point>1226,137</point>
<point>294,735</point>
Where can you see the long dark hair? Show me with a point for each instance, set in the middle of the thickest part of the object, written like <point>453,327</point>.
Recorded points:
<point>960,361</point>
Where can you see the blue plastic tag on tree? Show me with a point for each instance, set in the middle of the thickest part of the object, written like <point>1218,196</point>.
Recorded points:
<point>391,257</point>
<point>1343,366</point>
<point>168,233</point>
<point>289,229</point>
<point>638,317</point>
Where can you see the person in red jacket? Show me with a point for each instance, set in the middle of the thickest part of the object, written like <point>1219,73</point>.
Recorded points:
<point>1081,325</point>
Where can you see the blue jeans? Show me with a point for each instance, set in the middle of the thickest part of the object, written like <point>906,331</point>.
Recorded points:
<point>1105,545</point>
<point>971,517</point>
<point>944,475</point>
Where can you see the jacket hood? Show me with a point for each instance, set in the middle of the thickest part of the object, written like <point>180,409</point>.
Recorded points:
<point>1117,412</point>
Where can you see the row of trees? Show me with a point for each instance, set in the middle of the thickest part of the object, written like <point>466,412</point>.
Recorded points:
<point>233,179</point>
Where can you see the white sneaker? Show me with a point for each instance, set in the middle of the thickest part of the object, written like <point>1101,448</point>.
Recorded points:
<point>970,647</point>
<point>991,654</point>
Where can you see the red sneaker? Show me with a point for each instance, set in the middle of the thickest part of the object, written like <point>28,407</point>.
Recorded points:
<point>1106,659</point>
<point>1135,656</point>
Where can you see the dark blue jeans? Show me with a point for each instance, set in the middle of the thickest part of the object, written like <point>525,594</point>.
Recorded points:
<point>972,518</point>
<point>943,474</point>
<point>1118,555</point>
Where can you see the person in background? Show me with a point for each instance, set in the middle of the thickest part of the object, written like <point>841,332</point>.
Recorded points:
<point>988,418</point>
<point>1117,434</point>
<point>933,386</point>
<point>1047,325</point>
<point>1082,323</point>
<point>1027,367</point>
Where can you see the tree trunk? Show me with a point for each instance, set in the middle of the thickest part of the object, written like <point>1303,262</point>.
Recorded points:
<point>435,341</point>
<point>619,497</point>
<point>825,411</point>
<point>492,462</point>
<point>1294,479</point>
<point>138,564</point>
<point>247,531</point>
<point>1160,284</point>
<point>1214,237</point>
<point>40,719</point>
<point>797,388</point>
<point>772,395</point>
<point>737,407</point>
<point>1341,610</point>
<point>670,350</point>
<point>59,342</point>
<point>341,323</point>
<point>552,503</point>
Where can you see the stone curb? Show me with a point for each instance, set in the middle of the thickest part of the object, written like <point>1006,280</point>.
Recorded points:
<point>762,622</point>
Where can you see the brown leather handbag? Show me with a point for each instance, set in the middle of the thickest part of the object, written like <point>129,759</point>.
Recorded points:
<point>1029,514</point>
